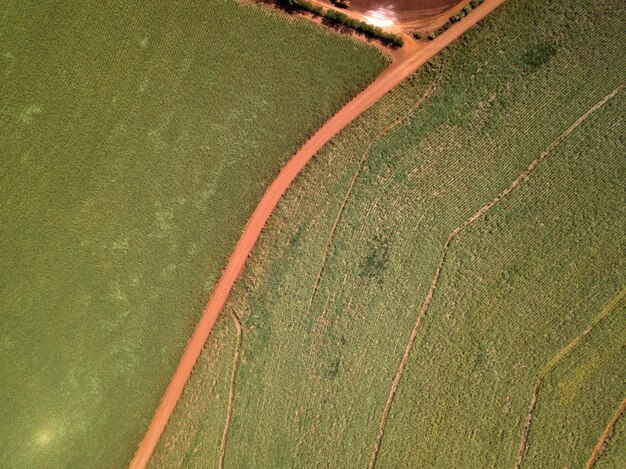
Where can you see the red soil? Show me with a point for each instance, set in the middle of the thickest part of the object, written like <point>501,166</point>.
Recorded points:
<point>403,67</point>
<point>398,15</point>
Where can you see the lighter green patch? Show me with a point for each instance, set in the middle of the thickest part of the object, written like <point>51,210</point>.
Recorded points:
<point>28,115</point>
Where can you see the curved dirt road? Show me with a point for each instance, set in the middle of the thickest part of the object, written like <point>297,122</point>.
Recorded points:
<point>393,76</point>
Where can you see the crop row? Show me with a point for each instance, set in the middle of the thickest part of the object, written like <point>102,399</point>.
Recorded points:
<point>133,153</point>
<point>514,289</point>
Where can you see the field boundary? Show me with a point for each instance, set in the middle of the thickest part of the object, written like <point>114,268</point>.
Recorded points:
<point>388,80</point>
<point>231,392</point>
<point>523,177</point>
<point>606,436</point>
<point>554,361</point>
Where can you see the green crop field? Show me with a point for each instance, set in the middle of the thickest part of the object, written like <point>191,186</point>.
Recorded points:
<point>580,392</point>
<point>506,154</point>
<point>136,138</point>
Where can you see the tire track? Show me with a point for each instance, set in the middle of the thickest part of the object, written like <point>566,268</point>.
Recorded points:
<point>231,392</point>
<point>523,177</point>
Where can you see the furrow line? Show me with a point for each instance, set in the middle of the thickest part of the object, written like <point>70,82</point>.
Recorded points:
<point>523,177</point>
<point>231,392</point>
<point>543,373</point>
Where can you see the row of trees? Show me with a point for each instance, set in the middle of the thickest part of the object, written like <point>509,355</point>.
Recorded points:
<point>456,18</point>
<point>341,18</point>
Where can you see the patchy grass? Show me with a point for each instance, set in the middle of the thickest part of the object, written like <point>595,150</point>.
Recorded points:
<point>517,285</point>
<point>136,141</point>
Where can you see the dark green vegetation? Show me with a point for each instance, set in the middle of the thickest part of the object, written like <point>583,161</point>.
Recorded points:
<point>135,140</point>
<point>455,18</point>
<point>337,17</point>
<point>303,5</point>
<point>327,313</point>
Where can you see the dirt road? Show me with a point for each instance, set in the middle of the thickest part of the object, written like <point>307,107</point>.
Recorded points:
<point>393,76</point>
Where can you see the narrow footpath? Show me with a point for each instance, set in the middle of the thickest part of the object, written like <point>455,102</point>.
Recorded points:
<point>401,68</point>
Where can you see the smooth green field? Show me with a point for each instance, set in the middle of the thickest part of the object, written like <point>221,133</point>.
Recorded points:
<point>517,285</point>
<point>136,138</point>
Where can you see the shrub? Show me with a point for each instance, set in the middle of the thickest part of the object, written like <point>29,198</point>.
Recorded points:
<point>316,9</point>
<point>339,17</point>
<point>539,54</point>
<point>363,27</point>
<point>417,35</point>
<point>303,5</point>
<point>456,18</point>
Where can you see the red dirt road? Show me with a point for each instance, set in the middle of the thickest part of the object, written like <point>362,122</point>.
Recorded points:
<point>393,76</point>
